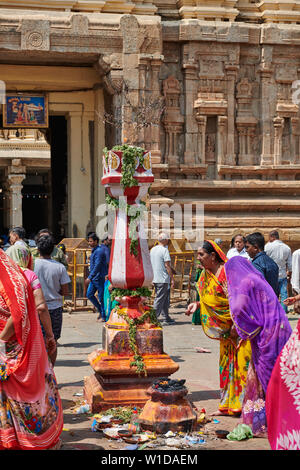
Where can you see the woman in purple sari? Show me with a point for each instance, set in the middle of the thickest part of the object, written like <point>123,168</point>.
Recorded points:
<point>259,317</point>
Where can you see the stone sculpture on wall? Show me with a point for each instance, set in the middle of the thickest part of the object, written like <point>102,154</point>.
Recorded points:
<point>245,122</point>
<point>173,119</point>
<point>211,108</point>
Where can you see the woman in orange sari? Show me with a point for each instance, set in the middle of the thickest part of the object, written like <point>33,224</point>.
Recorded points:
<point>216,321</point>
<point>30,407</point>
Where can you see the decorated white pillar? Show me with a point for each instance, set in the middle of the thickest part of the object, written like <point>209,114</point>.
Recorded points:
<point>127,269</point>
<point>132,355</point>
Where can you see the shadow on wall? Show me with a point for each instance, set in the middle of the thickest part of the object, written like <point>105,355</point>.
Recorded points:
<point>75,231</point>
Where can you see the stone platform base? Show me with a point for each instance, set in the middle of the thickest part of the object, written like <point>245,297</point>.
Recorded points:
<point>161,417</point>
<point>115,383</point>
<point>102,396</point>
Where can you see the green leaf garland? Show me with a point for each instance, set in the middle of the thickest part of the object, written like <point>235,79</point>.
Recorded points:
<point>138,292</point>
<point>129,161</point>
<point>133,323</point>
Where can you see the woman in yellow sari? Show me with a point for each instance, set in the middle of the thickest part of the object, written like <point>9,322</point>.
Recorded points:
<point>216,321</point>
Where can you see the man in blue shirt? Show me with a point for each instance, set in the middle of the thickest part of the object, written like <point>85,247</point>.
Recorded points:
<point>106,243</point>
<point>98,271</point>
<point>255,244</point>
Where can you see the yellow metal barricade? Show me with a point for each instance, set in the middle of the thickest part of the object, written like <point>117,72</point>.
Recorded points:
<point>183,266</point>
<point>78,253</point>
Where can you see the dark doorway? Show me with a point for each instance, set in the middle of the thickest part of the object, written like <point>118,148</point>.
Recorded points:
<point>35,202</point>
<point>44,193</point>
<point>58,136</point>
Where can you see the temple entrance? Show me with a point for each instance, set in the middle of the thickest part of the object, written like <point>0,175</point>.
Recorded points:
<point>58,138</point>
<point>33,178</point>
<point>44,193</point>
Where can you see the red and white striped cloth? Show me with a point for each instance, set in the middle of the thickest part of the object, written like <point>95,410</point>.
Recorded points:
<point>126,270</point>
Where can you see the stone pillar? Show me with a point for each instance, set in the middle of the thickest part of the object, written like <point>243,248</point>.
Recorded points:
<point>242,132</point>
<point>231,72</point>
<point>78,173</point>
<point>139,53</point>
<point>130,31</point>
<point>201,138</point>
<point>222,125</point>
<point>155,65</point>
<point>266,74</point>
<point>15,174</point>
<point>99,144</point>
<point>191,128</point>
<point>278,129</point>
<point>245,122</point>
<point>294,139</point>
<point>143,65</point>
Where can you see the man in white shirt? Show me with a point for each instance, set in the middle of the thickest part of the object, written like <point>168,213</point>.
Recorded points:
<point>282,255</point>
<point>162,278</point>
<point>54,280</point>
<point>238,247</point>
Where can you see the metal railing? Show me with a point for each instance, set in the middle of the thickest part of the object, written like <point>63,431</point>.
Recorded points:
<point>183,264</point>
<point>78,271</point>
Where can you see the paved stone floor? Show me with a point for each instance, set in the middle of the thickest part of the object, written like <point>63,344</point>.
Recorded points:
<point>82,334</point>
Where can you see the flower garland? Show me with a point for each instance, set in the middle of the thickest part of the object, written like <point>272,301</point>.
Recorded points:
<point>130,154</point>
<point>133,323</point>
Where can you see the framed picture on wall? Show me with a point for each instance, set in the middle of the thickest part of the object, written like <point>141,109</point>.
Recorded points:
<point>25,110</point>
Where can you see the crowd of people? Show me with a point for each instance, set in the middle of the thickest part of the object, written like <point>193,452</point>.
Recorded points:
<point>243,300</point>
<point>34,281</point>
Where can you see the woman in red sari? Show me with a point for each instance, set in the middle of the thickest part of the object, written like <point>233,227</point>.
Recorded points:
<point>30,407</point>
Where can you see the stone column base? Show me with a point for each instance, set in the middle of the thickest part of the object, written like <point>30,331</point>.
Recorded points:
<point>115,383</point>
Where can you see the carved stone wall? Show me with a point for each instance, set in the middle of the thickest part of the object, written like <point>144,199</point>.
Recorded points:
<point>241,128</point>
